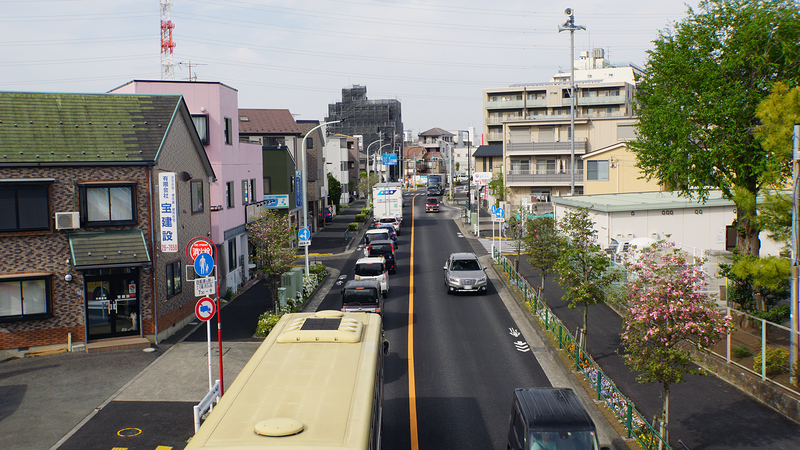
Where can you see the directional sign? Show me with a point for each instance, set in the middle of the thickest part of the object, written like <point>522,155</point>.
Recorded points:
<point>389,159</point>
<point>203,264</point>
<point>205,309</point>
<point>499,212</point>
<point>493,209</point>
<point>204,286</point>
<point>276,201</point>
<point>303,234</point>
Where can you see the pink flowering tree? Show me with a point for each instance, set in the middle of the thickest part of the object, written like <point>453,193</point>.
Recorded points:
<point>667,313</point>
<point>272,238</point>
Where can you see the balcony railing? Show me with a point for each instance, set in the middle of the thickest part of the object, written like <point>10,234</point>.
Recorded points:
<point>550,178</point>
<point>600,100</point>
<point>505,104</point>
<point>550,148</point>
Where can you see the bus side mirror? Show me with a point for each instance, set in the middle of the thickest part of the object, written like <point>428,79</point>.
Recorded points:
<point>385,347</point>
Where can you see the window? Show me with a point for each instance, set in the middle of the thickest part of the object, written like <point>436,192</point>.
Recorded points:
<point>201,125</point>
<point>229,193</point>
<point>25,298</point>
<point>197,196</point>
<point>545,166</point>
<point>173,278</point>
<point>267,185</point>
<point>108,205</point>
<point>25,208</point>
<point>232,254</point>
<point>597,170</point>
<point>309,143</point>
<point>253,190</point>
<point>228,131</point>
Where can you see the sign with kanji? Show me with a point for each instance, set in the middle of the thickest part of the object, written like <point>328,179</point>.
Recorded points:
<point>204,286</point>
<point>167,206</point>
<point>201,245</point>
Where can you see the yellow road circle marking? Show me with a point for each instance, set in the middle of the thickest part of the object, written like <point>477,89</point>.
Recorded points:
<point>129,432</point>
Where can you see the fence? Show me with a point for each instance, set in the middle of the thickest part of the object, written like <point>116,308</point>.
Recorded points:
<point>622,408</point>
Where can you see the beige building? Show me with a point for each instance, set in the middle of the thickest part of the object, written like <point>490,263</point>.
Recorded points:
<point>532,123</point>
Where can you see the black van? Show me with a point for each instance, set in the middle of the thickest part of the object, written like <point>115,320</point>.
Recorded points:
<point>550,418</point>
<point>362,296</point>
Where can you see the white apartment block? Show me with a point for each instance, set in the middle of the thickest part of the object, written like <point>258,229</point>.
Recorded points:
<point>532,122</point>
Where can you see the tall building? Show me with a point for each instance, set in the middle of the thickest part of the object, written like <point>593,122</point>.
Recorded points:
<point>379,122</point>
<point>532,122</point>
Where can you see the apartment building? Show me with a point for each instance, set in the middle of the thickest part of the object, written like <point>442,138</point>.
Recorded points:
<point>532,122</point>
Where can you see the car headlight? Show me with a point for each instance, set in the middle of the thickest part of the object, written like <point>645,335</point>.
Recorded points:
<point>482,280</point>
<point>454,280</point>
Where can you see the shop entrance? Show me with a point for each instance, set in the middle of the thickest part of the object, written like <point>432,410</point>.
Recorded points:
<point>112,302</point>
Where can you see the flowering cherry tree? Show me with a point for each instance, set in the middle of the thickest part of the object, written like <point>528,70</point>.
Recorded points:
<point>666,313</point>
<point>272,237</point>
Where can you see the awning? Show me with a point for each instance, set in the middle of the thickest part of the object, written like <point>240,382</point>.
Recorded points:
<point>115,248</point>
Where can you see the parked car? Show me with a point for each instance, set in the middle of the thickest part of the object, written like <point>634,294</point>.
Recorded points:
<point>431,204</point>
<point>373,268</point>
<point>362,296</point>
<point>329,214</point>
<point>385,249</point>
<point>463,272</point>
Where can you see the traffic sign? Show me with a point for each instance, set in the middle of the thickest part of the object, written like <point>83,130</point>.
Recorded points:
<point>499,212</point>
<point>205,309</point>
<point>492,209</point>
<point>201,245</point>
<point>304,243</point>
<point>203,264</point>
<point>204,286</point>
<point>303,234</point>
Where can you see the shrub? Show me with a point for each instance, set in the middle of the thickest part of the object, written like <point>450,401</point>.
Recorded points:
<point>365,211</point>
<point>268,320</point>
<point>352,226</point>
<point>777,358</point>
<point>778,314</point>
<point>741,352</point>
<point>361,218</point>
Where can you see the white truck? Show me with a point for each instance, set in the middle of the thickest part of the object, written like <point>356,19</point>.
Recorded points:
<point>387,199</point>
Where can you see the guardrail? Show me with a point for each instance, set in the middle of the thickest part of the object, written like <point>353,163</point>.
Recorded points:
<point>622,408</point>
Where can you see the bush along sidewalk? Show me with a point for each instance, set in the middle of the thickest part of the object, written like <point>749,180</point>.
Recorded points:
<point>316,274</point>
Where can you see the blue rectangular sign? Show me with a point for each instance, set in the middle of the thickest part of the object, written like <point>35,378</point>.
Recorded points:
<point>390,159</point>
<point>276,201</point>
<point>298,188</point>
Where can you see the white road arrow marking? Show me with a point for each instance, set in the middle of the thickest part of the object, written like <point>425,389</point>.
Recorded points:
<point>522,346</point>
<point>514,332</point>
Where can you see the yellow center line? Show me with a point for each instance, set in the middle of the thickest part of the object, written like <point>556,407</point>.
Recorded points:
<point>412,394</point>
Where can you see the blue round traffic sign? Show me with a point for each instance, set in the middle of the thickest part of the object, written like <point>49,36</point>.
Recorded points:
<point>303,234</point>
<point>493,209</point>
<point>203,264</point>
<point>499,212</point>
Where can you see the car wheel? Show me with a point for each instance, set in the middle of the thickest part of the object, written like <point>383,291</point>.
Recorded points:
<point>385,294</point>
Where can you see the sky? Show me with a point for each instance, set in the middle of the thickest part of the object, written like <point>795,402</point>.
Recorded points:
<point>435,56</point>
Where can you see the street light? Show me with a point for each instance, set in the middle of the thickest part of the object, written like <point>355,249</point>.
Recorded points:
<point>303,184</point>
<point>570,26</point>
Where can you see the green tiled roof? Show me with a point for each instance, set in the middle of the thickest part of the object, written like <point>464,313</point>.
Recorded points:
<point>79,128</point>
<point>108,248</point>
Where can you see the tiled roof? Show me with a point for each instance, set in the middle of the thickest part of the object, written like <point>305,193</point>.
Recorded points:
<point>46,128</point>
<point>489,150</point>
<point>108,248</point>
<point>267,121</point>
<point>436,132</point>
<point>414,152</point>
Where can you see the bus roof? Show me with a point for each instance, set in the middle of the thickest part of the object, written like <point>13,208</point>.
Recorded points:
<point>318,369</point>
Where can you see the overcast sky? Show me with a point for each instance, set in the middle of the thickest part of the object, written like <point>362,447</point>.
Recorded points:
<point>434,56</point>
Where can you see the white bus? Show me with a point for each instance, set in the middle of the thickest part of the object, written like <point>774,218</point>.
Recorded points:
<point>316,382</point>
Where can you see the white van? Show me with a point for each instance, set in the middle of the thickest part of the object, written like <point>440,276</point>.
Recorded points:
<point>373,268</point>
<point>376,234</point>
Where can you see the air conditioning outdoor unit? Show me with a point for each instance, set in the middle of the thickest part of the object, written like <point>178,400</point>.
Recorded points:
<point>68,220</point>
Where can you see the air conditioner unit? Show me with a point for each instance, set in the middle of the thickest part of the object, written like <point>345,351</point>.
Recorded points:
<point>68,220</point>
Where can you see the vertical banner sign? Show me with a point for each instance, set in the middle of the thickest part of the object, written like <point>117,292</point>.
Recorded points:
<point>168,209</point>
<point>298,188</point>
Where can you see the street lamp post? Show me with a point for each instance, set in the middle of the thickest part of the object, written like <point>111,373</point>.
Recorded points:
<point>303,184</point>
<point>570,26</point>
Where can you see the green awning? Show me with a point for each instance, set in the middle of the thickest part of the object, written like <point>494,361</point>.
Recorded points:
<point>116,248</point>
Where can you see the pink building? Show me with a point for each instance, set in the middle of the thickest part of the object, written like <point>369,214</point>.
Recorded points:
<point>238,166</point>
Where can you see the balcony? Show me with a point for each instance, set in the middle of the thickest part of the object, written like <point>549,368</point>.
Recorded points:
<point>599,100</point>
<point>504,104</point>
<point>544,148</point>
<point>523,178</point>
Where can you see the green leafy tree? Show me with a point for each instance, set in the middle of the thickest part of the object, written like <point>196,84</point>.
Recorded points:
<point>581,264</point>
<point>542,242</point>
<point>273,237</point>
<point>497,188</point>
<point>665,314</point>
<point>515,232</point>
<point>697,101</point>
<point>365,183</point>
<point>334,190</point>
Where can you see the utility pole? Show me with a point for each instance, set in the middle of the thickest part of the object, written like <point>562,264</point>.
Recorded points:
<point>570,26</point>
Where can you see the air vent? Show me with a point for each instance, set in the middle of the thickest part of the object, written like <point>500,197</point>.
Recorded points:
<point>67,220</point>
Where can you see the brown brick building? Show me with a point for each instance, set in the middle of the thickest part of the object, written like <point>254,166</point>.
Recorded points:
<point>93,187</point>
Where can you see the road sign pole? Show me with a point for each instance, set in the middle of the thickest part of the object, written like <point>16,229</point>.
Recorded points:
<point>219,332</point>
<point>208,339</point>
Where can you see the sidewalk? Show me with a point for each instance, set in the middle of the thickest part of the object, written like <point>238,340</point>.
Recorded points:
<point>705,411</point>
<point>330,239</point>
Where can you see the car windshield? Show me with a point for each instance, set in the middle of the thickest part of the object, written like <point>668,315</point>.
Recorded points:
<point>369,269</point>
<point>363,296</point>
<point>465,264</point>
<point>579,440</point>
<point>432,201</point>
<point>380,248</point>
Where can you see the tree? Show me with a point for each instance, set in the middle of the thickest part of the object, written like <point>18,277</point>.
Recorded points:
<point>581,264</point>
<point>697,101</point>
<point>542,243</point>
<point>273,237</point>
<point>515,232</point>
<point>365,183</point>
<point>334,190</point>
<point>497,188</point>
<point>665,314</point>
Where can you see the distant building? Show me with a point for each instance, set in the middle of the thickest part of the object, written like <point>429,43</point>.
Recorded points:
<point>379,122</point>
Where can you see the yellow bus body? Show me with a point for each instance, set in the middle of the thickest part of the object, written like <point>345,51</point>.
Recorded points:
<point>329,381</point>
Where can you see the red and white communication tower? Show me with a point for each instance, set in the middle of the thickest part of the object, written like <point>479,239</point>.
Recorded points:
<point>167,44</point>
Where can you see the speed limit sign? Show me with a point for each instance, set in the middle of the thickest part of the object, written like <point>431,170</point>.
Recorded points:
<point>205,309</point>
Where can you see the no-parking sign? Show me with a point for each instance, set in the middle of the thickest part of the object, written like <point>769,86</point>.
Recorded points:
<point>205,309</point>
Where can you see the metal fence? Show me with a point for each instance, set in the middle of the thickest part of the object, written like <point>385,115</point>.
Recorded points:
<point>622,408</point>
